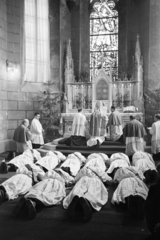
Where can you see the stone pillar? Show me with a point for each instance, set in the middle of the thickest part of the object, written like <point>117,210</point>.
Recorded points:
<point>65,35</point>
<point>75,35</point>
<point>122,42</point>
<point>54,13</point>
<point>84,54</point>
<point>154,45</point>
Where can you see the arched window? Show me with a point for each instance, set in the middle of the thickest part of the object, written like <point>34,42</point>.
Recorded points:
<point>36,41</point>
<point>103,37</point>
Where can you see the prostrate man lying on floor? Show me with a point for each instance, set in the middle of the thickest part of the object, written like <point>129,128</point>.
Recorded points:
<point>73,163</point>
<point>48,192</point>
<point>144,162</point>
<point>131,190</point>
<point>89,193</point>
<point>28,157</point>
<point>118,160</point>
<point>51,189</point>
<point>27,174</point>
<point>20,183</point>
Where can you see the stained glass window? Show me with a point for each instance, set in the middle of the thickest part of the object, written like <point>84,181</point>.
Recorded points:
<point>104,38</point>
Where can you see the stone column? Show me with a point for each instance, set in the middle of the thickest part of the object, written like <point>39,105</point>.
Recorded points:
<point>154,45</point>
<point>84,53</point>
<point>54,13</point>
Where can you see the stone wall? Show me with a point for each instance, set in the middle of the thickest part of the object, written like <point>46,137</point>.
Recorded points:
<point>3,75</point>
<point>17,100</point>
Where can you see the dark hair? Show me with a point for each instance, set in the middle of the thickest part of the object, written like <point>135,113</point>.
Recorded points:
<point>113,107</point>
<point>79,109</point>
<point>36,113</point>
<point>157,116</point>
<point>131,117</point>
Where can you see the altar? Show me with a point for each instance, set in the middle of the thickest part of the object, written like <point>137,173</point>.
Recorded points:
<point>125,94</point>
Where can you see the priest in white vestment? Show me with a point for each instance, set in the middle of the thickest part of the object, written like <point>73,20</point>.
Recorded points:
<point>97,125</point>
<point>79,130</point>
<point>115,125</point>
<point>155,141</point>
<point>37,132</point>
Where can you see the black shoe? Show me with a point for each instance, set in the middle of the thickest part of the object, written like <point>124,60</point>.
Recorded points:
<point>31,209</point>
<point>140,207</point>
<point>71,208</point>
<point>87,211</point>
<point>3,167</point>
<point>18,208</point>
<point>132,205</point>
<point>3,197</point>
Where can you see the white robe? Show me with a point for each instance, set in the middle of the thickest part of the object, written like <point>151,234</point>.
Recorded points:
<point>73,163</point>
<point>18,184</point>
<point>155,141</point>
<point>129,186</point>
<point>79,125</point>
<point>118,160</point>
<point>49,191</point>
<point>103,156</point>
<point>117,164</point>
<point>49,162</point>
<point>91,189</point>
<point>143,161</point>
<point>93,172</point>
<point>126,172</point>
<point>97,163</point>
<point>36,130</point>
<point>26,158</point>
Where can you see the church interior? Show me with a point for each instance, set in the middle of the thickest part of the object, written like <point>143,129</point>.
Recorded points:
<point>61,55</point>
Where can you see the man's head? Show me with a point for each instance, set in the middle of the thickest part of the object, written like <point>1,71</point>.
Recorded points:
<point>131,117</point>
<point>37,115</point>
<point>25,122</point>
<point>79,109</point>
<point>113,108</point>
<point>157,117</point>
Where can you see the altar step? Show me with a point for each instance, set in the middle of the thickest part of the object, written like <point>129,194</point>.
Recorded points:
<point>107,147</point>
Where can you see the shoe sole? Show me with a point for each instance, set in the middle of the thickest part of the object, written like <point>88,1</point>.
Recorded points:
<point>140,208</point>
<point>31,209</point>
<point>86,209</point>
<point>19,207</point>
<point>71,208</point>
